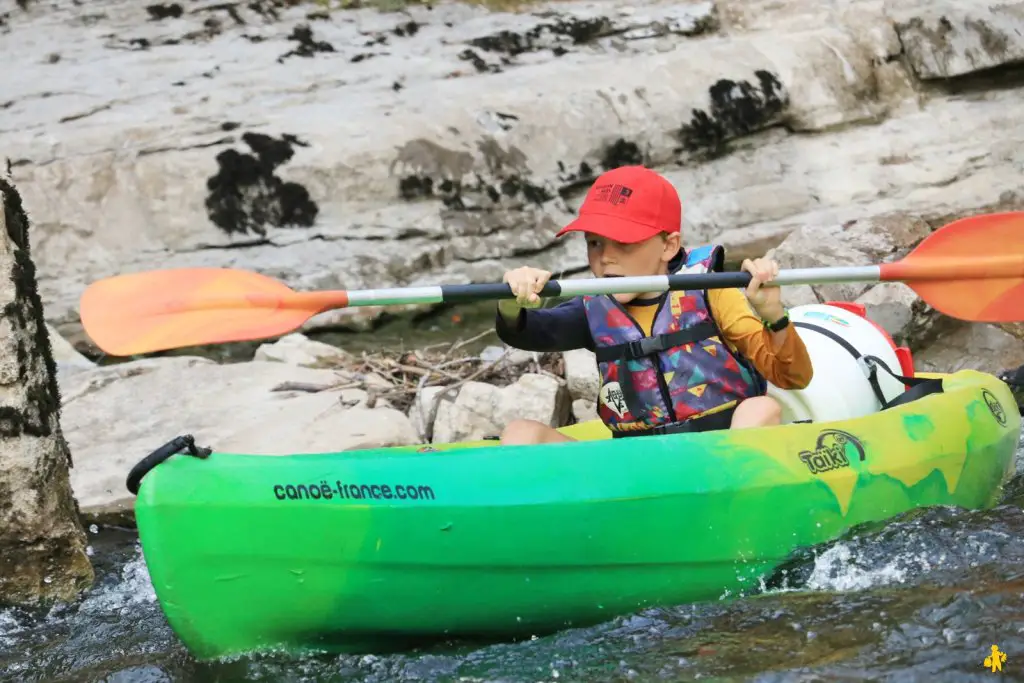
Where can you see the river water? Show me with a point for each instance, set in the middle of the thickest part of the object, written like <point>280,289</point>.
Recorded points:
<point>922,599</point>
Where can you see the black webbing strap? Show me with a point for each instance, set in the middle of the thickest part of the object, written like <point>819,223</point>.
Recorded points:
<point>648,346</point>
<point>919,386</point>
<point>715,421</point>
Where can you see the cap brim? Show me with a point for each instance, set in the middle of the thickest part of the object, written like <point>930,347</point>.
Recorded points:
<point>610,227</point>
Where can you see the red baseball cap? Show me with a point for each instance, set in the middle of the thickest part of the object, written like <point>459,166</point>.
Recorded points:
<point>629,204</point>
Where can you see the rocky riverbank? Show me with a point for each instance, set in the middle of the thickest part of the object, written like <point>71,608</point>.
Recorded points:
<point>299,395</point>
<point>445,143</point>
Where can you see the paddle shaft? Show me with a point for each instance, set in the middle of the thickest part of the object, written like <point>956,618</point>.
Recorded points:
<point>593,286</point>
<point>935,269</point>
<point>450,294</point>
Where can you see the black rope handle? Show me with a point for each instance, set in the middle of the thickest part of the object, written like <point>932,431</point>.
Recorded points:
<point>176,445</point>
<point>1014,378</point>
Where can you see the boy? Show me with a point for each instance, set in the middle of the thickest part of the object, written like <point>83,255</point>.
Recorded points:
<point>671,361</point>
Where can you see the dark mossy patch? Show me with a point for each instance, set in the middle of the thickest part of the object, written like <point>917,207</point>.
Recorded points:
<point>454,176</point>
<point>570,30</point>
<point>246,195</point>
<point>737,108</point>
<point>32,341</point>
<point>307,45</point>
<point>622,152</point>
<point>161,11</point>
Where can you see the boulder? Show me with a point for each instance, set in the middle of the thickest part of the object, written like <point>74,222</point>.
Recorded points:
<point>904,315</point>
<point>64,354</point>
<point>972,346</point>
<point>948,38</point>
<point>423,410</point>
<point>584,410</point>
<point>581,374</point>
<point>507,356</point>
<point>298,349</point>
<point>42,542</point>
<point>115,415</point>
<point>482,410</point>
<point>893,305</point>
<point>852,243</point>
<point>1015,329</point>
<point>477,182</point>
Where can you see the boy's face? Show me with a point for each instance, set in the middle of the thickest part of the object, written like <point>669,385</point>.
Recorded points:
<point>609,258</point>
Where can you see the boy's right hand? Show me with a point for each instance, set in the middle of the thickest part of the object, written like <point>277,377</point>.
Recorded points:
<point>526,284</point>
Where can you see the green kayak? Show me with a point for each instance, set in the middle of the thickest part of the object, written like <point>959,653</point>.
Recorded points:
<point>369,551</point>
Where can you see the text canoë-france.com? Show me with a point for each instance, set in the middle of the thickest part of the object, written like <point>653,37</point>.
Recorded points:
<point>325,491</point>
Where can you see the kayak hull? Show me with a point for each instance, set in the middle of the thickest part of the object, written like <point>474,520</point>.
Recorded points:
<point>403,545</point>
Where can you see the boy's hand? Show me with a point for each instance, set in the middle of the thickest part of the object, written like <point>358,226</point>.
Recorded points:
<point>766,301</point>
<point>526,283</point>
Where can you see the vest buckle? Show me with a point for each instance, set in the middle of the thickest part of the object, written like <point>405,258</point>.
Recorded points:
<point>648,346</point>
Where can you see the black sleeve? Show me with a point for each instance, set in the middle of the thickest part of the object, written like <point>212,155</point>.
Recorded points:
<point>560,328</point>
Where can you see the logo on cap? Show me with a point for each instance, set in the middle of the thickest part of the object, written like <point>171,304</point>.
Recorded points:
<point>613,194</point>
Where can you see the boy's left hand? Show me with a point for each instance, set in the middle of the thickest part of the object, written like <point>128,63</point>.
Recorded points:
<point>766,301</point>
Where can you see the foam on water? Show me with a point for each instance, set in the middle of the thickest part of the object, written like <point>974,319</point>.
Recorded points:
<point>132,588</point>
<point>837,570</point>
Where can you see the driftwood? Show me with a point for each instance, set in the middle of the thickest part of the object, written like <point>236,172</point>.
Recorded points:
<point>441,365</point>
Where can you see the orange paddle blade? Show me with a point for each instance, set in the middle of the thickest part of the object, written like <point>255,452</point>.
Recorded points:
<point>164,309</point>
<point>972,269</point>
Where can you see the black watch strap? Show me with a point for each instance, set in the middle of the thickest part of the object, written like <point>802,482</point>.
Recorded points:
<point>779,324</point>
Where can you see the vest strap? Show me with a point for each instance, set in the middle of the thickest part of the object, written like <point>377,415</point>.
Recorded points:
<point>649,346</point>
<point>708,423</point>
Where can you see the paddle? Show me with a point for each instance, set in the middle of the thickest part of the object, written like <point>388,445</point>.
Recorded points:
<point>972,269</point>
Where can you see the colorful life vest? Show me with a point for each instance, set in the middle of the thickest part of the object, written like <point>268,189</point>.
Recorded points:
<point>680,372</point>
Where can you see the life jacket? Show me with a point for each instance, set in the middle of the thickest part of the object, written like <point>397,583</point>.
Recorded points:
<point>682,371</point>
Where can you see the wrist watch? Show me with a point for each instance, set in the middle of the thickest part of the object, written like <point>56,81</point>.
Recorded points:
<point>779,324</point>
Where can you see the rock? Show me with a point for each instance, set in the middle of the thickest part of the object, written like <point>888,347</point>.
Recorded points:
<point>42,543</point>
<point>853,243</point>
<point>374,380</point>
<point>904,315</point>
<point>948,38</point>
<point>584,410</point>
<point>581,374</point>
<point>1016,329</point>
<point>351,398</point>
<point>423,411</point>
<point>978,347</point>
<point>479,184</point>
<point>297,349</point>
<point>507,355</point>
<point>470,416</point>
<point>115,415</point>
<point>64,353</point>
<point>482,410</point>
<point>396,193</point>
